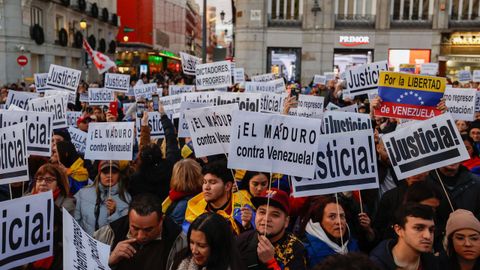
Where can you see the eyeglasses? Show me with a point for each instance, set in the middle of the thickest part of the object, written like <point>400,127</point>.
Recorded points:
<point>47,180</point>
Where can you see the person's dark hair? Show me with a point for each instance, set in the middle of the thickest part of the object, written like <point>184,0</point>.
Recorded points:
<point>466,137</point>
<point>413,210</point>
<point>150,156</point>
<point>219,169</point>
<point>63,133</point>
<point>316,209</point>
<point>245,184</point>
<point>67,153</point>
<point>422,190</point>
<point>349,261</point>
<point>145,204</point>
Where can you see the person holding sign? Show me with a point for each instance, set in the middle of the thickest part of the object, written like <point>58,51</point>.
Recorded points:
<point>66,157</point>
<point>253,185</point>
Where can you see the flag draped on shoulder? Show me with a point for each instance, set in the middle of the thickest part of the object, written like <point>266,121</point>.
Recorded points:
<point>101,61</point>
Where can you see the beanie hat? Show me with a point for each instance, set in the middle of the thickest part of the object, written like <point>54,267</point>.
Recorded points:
<point>461,219</point>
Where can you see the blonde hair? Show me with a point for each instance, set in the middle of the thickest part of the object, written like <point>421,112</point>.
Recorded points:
<point>187,176</point>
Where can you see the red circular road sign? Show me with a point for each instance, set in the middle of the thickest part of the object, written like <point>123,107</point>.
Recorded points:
<point>22,60</point>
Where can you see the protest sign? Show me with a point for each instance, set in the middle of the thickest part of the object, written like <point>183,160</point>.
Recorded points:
<point>331,107</point>
<point>144,91</point>
<point>460,103</point>
<point>130,92</point>
<point>339,122</point>
<point>52,104</point>
<point>117,82</point>
<point>329,76</point>
<point>84,97</point>
<point>274,86</point>
<point>274,143</point>
<point>263,77</point>
<point>41,82</point>
<point>409,96</point>
<point>189,62</point>
<point>424,146</point>
<point>345,162</point>
<point>13,154</point>
<point>154,123</point>
<point>320,79</point>
<point>407,68</point>
<point>429,69</point>
<point>180,89</point>
<point>476,75</point>
<point>110,141</point>
<point>100,96</point>
<point>63,78</point>
<point>239,75</point>
<point>183,131</point>
<point>213,75</point>
<point>308,106</point>
<point>171,104</point>
<point>80,250</point>
<point>9,118</point>
<point>364,79</point>
<point>464,76</point>
<point>210,129</point>
<point>350,108</point>
<point>27,230</point>
<point>72,118</point>
<point>69,97</point>
<point>78,138</point>
<point>19,99</point>
<point>477,102</point>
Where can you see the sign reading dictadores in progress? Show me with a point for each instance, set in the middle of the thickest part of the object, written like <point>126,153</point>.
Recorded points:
<point>213,75</point>
<point>274,143</point>
<point>110,141</point>
<point>424,146</point>
<point>63,78</point>
<point>345,162</point>
<point>409,96</point>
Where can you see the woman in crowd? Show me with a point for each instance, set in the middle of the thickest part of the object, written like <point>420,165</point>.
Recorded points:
<point>66,156</point>
<point>211,246</point>
<point>187,181</point>
<point>252,185</point>
<point>105,200</point>
<point>472,164</point>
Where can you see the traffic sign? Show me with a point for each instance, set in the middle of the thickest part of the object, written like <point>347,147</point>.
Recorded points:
<point>22,60</point>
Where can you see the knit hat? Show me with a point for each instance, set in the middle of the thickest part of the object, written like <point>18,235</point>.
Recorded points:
<point>461,219</point>
<point>106,164</point>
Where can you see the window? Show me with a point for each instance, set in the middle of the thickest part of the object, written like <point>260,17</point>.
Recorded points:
<point>285,9</point>
<point>464,9</point>
<point>412,10</point>
<point>59,23</point>
<point>355,9</point>
<point>36,15</point>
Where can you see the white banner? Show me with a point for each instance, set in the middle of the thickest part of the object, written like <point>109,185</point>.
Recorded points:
<point>254,102</point>
<point>429,69</point>
<point>183,131</point>
<point>100,96</point>
<point>155,124</point>
<point>424,146</point>
<point>364,79</point>
<point>320,79</point>
<point>213,75</point>
<point>80,250</point>
<point>345,162</point>
<point>477,102</point>
<point>69,96</point>
<point>239,75</point>
<point>329,76</point>
<point>476,75</point>
<point>144,91</point>
<point>464,76</point>
<point>263,77</point>
<point>52,104</point>
<point>275,86</point>
<point>78,138</point>
<point>171,104</point>
<point>460,103</point>
<point>210,129</point>
<point>189,62</point>
<point>274,143</point>
<point>63,78</point>
<point>110,141</point>
<point>339,122</point>
<point>19,99</point>
<point>84,97</point>
<point>14,154</point>
<point>117,82</point>
<point>27,230</point>
<point>308,106</point>
<point>72,118</point>
<point>180,89</point>
<point>41,82</point>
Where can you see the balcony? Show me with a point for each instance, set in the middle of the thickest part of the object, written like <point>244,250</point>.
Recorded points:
<point>413,22</point>
<point>355,20</point>
<point>279,21</point>
<point>464,21</point>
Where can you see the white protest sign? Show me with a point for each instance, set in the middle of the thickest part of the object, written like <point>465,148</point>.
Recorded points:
<point>364,79</point>
<point>27,233</point>
<point>350,108</point>
<point>117,82</point>
<point>460,103</point>
<point>84,97</point>
<point>339,122</point>
<point>189,62</point>
<point>100,96</point>
<point>69,97</point>
<point>13,154</point>
<point>264,77</point>
<point>213,75</point>
<point>255,102</point>
<point>477,102</point>
<point>110,141</point>
<point>274,143</point>
<point>8,118</point>
<point>308,106</point>
<point>144,91</point>
<point>429,69</point>
<point>331,107</point>
<point>464,75</point>
<point>131,92</point>
<point>63,78</point>
<point>78,138</point>
<point>210,129</point>
<point>345,162</point>
<point>329,76</point>
<point>319,79</point>
<point>274,86</point>
<point>171,104</point>
<point>180,89</point>
<point>41,82</point>
<point>155,125</point>
<point>52,104</point>
<point>476,75</point>
<point>183,131</point>
<point>424,146</point>
<point>239,75</point>
<point>72,118</point>
<point>80,250</point>
<point>19,99</point>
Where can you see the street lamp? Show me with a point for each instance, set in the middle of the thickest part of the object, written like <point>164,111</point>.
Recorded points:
<point>83,26</point>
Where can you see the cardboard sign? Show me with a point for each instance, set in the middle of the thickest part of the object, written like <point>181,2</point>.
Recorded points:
<point>52,104</point>
<point>364,79</point>
<point>213,75</point>
<point>329,76</point>
<point>460,103</point>
<point>84,97</point>
<point>476,75</point>
<point>144,91</point>
<point>79,139</point>
<point>180,89</point>
<point>63,78</point>
<point>19,99</point>
<point>345,162</point>
<point>407,68</point>
<point>319,79</point>
<point>424,146</point>
<point>274,143</point>
<point>117,82</point>
<point>239,75</point>
<point>72,118</point>
<point>27,230</point>
<point>340,122</point>
<point>100,96</point>
<point>183,131</point>
<point>13,154</point>
<point>80,250</point>
<point>41,82</point>
<point>110,141</point>
<point>429,69</point>
<point>155,125</point>
<point>464,76</point>
<point>189,63</point>
<point>409,96</point>
<point>210,129</point>
<point>68,96</point>
<point>171,104</point>
<point>275,86</point>
<point>308,106</point>
<point>264,77</point>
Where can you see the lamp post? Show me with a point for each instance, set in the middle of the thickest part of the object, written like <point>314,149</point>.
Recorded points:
<point>204,32</point>
<point>83,26</point>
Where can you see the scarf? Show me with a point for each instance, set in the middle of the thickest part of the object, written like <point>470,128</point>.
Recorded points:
<point>56,192</point>
<point>189,264</point>
<point>314,229</point>
<point>77,171</point>
<point>178,195</point>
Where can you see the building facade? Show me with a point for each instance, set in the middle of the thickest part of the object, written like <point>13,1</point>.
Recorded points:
<point>300,38</point>
<point>48,32</point>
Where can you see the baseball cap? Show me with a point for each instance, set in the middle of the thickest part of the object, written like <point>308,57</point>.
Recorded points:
<point>278,198</point>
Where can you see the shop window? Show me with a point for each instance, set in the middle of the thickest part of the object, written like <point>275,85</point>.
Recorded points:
<point>285,10</point>
<point>412,10</point>
<point>354,9</point>
<point>36,15</point>
<point>284,62</point>
<point>461,10</point>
